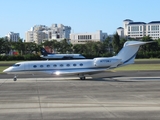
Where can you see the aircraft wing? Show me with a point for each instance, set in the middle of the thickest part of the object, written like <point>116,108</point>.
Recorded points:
<point>74,71</point>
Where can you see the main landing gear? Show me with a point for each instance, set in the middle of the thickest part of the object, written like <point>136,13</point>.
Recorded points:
<point>82,78</point>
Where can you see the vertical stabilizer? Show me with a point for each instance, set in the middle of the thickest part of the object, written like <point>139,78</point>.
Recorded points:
<point>129,51</point>
<point>44,52</point>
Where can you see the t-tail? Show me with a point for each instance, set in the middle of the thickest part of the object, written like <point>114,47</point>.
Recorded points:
<point>44,52</point>
<point>129,52</point>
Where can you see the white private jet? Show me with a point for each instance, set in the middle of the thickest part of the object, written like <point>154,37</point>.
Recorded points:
<point>78,67</point>
<point>47,55</point>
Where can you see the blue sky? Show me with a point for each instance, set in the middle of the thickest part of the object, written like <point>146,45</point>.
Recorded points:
<point>82,15</point>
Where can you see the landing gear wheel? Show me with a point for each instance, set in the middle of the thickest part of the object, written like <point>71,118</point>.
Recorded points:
<point>83,78</point>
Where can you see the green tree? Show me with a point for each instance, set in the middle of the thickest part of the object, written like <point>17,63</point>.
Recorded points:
<point>65,47</point>
<point>90,48</point>
<point>116,43</point>
<point>19,46</point>
<point>107,44</point>
<point>79,48</point>
<point>52,44</point>
<point>31,47</point>
<point>122,41</point>
<point>5,46</point>
<point>149,47</point>
<point>158,42</point>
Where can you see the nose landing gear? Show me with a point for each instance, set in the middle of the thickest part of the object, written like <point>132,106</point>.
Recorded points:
<point>15,78</point>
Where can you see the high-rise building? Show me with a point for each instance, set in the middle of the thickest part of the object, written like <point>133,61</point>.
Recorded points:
<point>40,33</point>
<point>82,38</point>
<point>139,29</point>
<point>13,37</point>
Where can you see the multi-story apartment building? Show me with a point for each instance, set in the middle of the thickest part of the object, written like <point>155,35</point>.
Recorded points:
<point>40,33</point>
<point>13,37</point>
<point>139,29</point>
<point>82,38</point>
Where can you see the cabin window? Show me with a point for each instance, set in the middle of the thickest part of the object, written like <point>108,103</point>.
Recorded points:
<point>68,65</point>
<point>81,64</point>
<point>48,65</point>
<point>34,66</point>
<point>61,65</point>
<point>41,65</point>
<point>54,65</point>
<point>74,64</point>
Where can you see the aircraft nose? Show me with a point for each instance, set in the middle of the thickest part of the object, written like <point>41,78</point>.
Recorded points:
<point>6,70</point>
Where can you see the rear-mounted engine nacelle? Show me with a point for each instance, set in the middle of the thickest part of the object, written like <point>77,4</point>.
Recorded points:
<point>102,62</point>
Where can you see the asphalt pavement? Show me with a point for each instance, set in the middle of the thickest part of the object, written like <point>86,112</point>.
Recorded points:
<point>132,95</point>
<point>106,74</point>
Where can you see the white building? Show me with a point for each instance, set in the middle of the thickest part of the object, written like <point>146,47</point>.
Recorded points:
<point>139,29</point>
<point>40,33</point>
<point>153,29</point>
<point>81,38</point>
<point>13,37</point>
<point>120,32</point>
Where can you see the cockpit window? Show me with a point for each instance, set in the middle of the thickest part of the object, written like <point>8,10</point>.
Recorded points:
<point>16,65</point>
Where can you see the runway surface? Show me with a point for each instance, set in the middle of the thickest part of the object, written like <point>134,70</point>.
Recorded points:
<point>108,74</point>
<point>68,98</point>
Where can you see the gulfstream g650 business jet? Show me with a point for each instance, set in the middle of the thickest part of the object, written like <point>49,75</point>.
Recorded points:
<point>78,67</point>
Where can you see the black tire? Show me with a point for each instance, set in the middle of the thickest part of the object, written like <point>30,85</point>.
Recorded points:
<point>83,78</point>
<point>15,79</point>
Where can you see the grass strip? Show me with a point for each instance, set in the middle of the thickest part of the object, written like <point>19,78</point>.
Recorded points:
<point>9,62</point>
<point>138,67</point>
<point>2,68</point>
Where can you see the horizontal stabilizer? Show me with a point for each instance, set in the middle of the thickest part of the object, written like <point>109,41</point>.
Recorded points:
<point>132,43</point>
